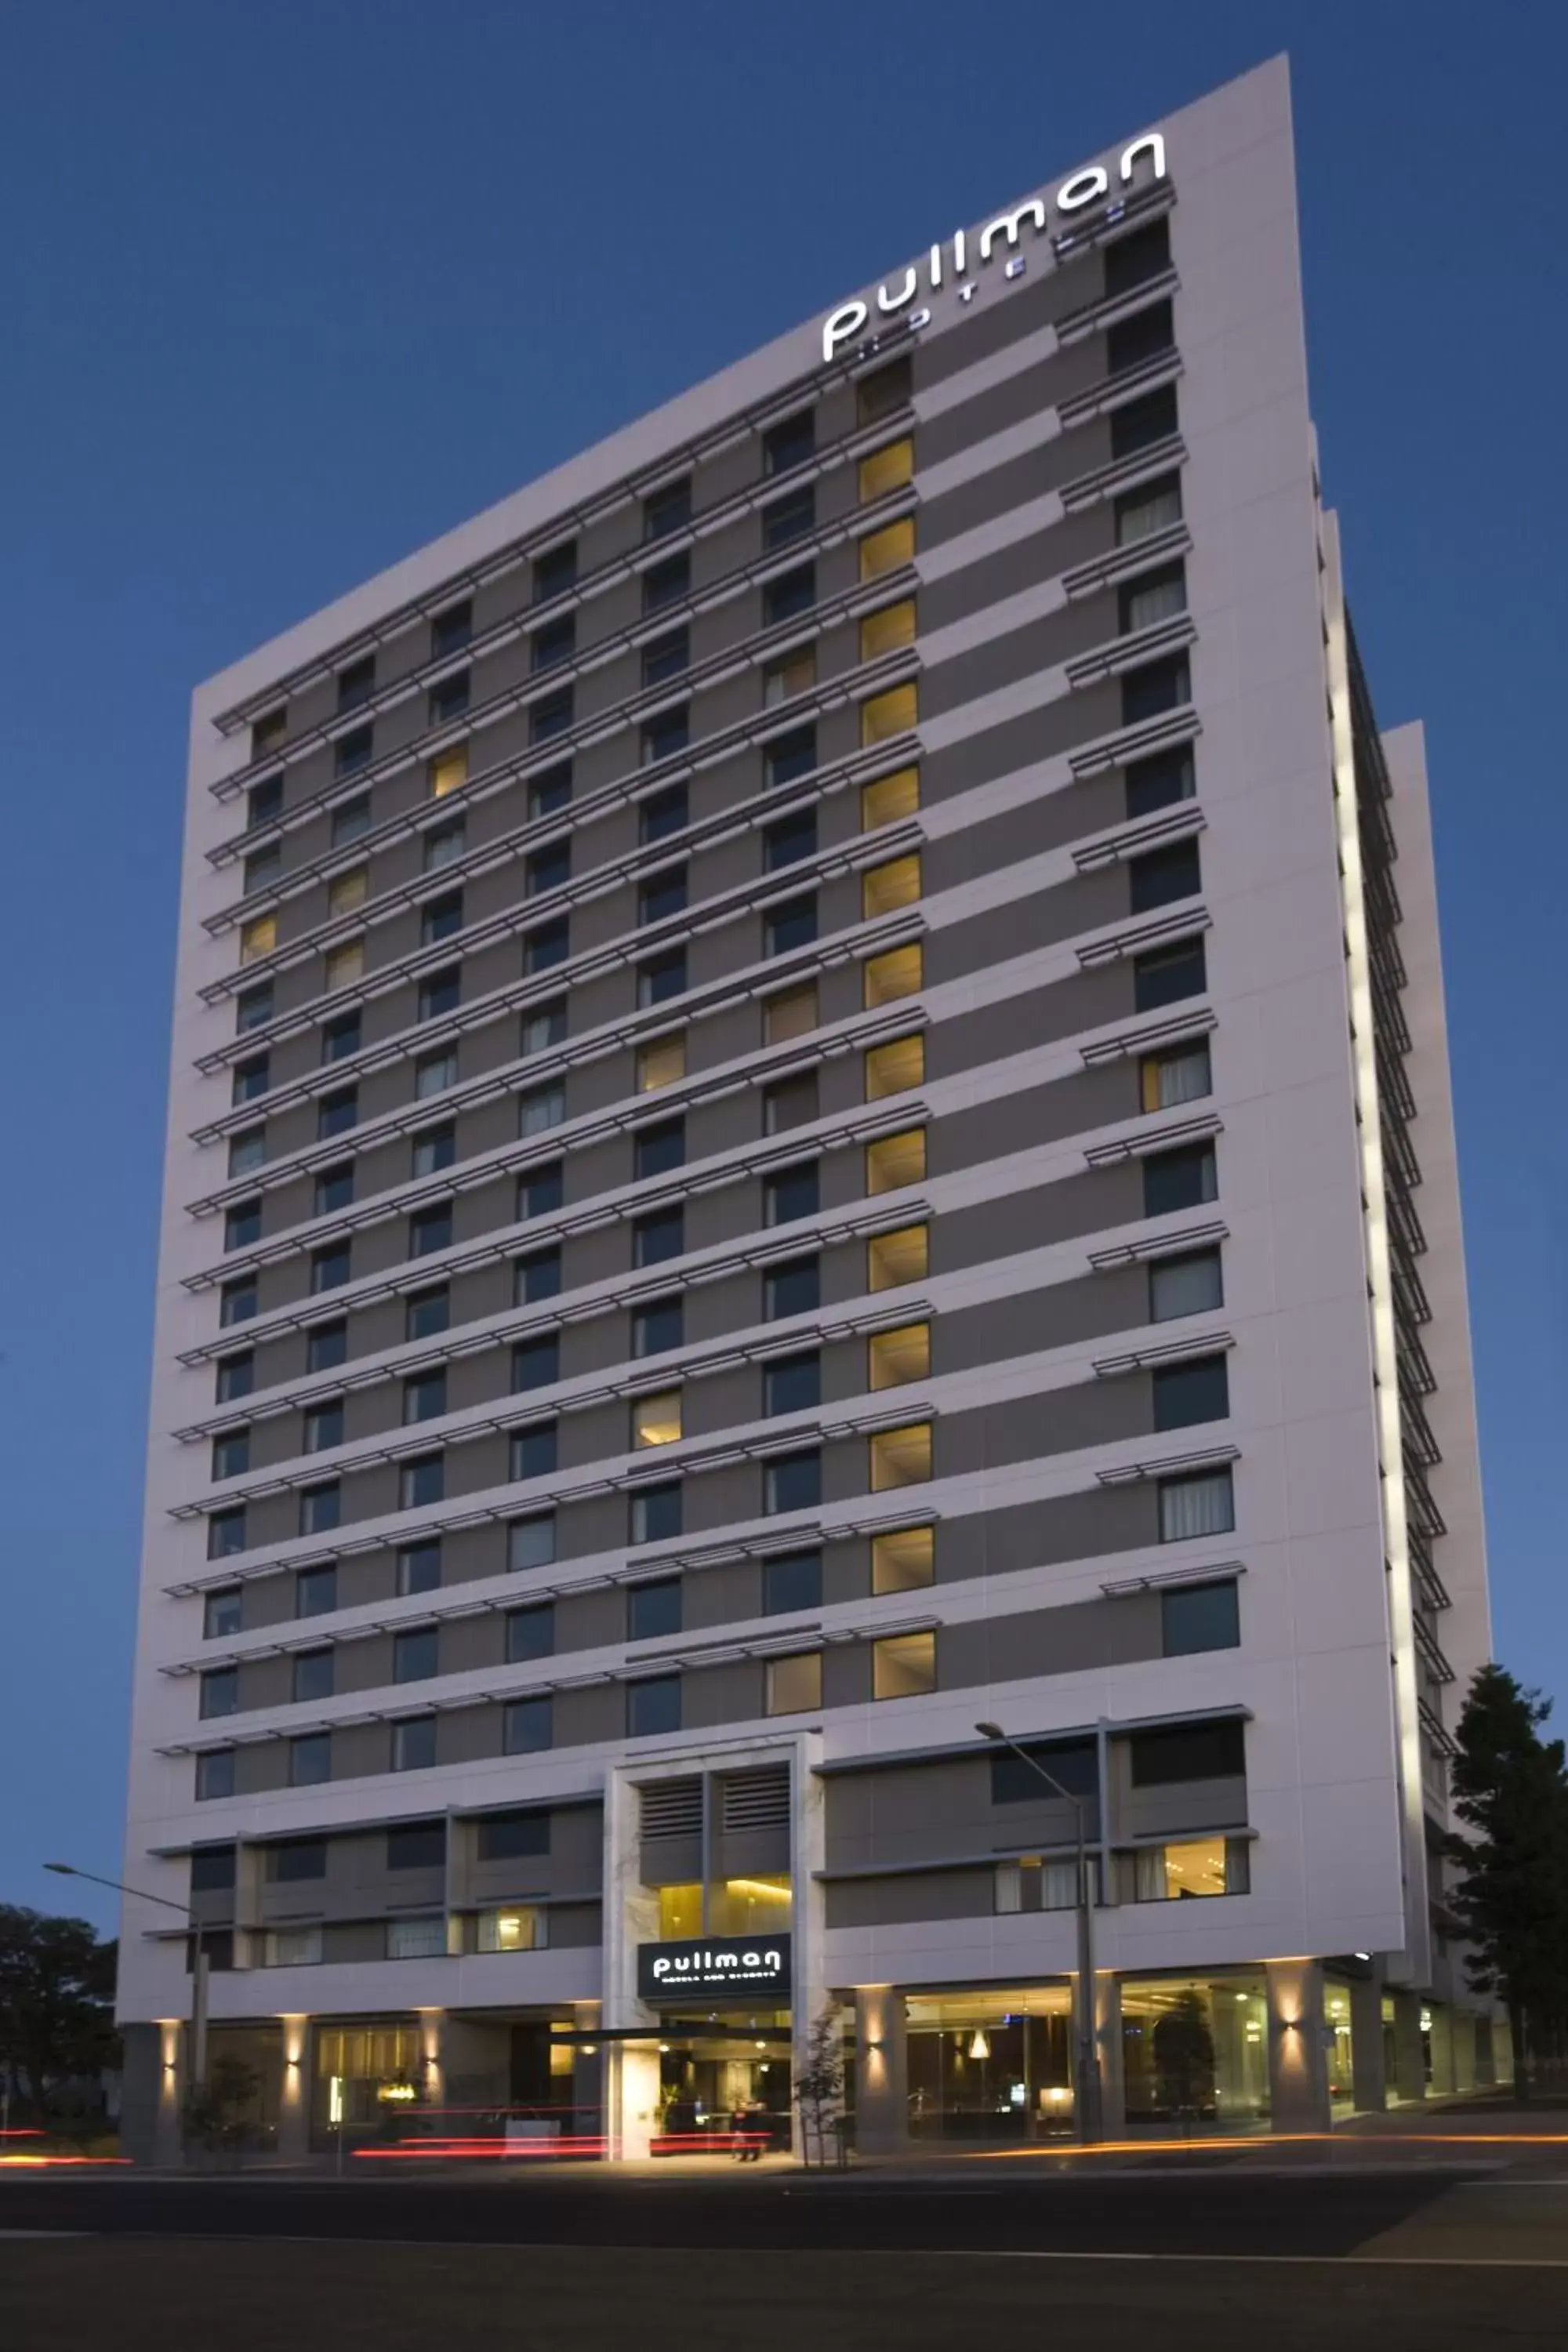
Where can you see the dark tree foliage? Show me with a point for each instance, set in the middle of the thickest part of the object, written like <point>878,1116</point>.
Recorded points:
<point>57,1994</point>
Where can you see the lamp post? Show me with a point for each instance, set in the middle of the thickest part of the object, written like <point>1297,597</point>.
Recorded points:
<point>1089,2125</point>
<point>198,1963</point>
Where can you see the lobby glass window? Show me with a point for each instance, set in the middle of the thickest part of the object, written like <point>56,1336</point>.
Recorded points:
<point>894,1358</point>
<point>793,1288</point>
<point>448,699</point>
<point>792,1192</point>
<point>550,716</point>
<point>536,1363</point>
<point>257,938</point>
<point>903,1665</point>
<point>666,583</point>
<point>334,1189</point>
<point>220,1692</point>
<point>657,1419</point>
<point>242,1224</point>
<point>888,549</point>
<point>793,838</point>
<point>536,1277</point>
<point>237,1301</point>
<point>661,1063</point>
<point>666,735</point>
<point>424,1395</point>
<point>444,846</point>
<point>336,1113</point>
<point>1184,1179</point>
<point>667,510</point>
<point>789,595</point>
<point>226,1533</point>
<point>549,868</point>
<point>263,803</point>
<point>1154,596</point>
<point>1181,1074</point>
<point>794,1013</point>
<point>789,519</point>
<point>1151,508</point>
<point>658,1236</point>
<point>661,978</point>
<point>430,1230</point>
<point>901,1457</point>
<point>1196,1617</point>
<point>314,1677</point>
<point>555,572</point>
<point>790,443</point>
<point>886,470</point>
<point>419,1567</point>
<point>902,1559</point>
<point>550,791</point>
<point>884,393</point>
<point>794,1685</point>
<point>530,1542</point>
<point>555,643</point>
<point>1161,782</point>
<point>782,680</point>
<point>1167,975</point>
<point>792,1482</point>
<point>885,888</point>
<point>658,1327</point>
<point>792,1580</point>
<point>435,1074</point>
<point>893,1068</point>
<point>351,820</point>
<point>526,1729</point>
<point>790,926</point>
<point>316,1590</point>
<point>1186,1394</point>
<point>662,894</point>
<point>792,1383</point>
<point>422,1482</point>
<point>656,1150</point>
<point>540,1191</point>
<point>320,1508</point>
<point>788,757</point>
<point>653,1609</point>
<point>530,1634</point>
<point>324,1425</point>
<point>657,1514</point>
<point>543,1027</point>
<point>653,1706</point>
<point>1190,1285</point>
<point>451,630</point>
<point>1130,342</point>
<point>894,1259</point>
<point>223,1613</point>
<point>414,1743</point>
<point>889,631</point>
<point>235,1377</point>
<point>1158,686</point>
<point>415,1653</point>
<point>214,1774</point>
<point>448,773</point>
<point>1200,1503</point>
<point>343,966</point>
<point>1163,876</point>
<point>666,657</point>
<point>440,918</point>
<point>253,1008</point>
<point>540,1110</point>
<point>310,1759</point>
<point>434,1148</point>
<point>790,1102</point>
<point>1189,1751</point>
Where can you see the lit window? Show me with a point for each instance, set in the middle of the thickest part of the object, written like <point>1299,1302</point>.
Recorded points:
<point>903,1559</point>
<point>1167,1874</point>
<point>887,549</point>
<point>661,1063</point>
<point>347,891</point>
<point>794,1685</point>
<point>889,714</point>
<point>450,773</point>
<point>885,887</point>
<point>889,798</point>
<point>894,1161</point>
<point>895,1357</point>
<point>257,938</point>
<point>655,1419</point>
<point>887,470</point>
<point>1183,1074</point>
<point>903,1665</point>
<point>885,632</point>
<point>793,1015</point>
<point>522,1930</point>
<point>785,680</point>
<point>900,972</point>
<point>343,966</point>
<point>902,1458</point>
<point>893,1259</point>
<point>892,1068</point>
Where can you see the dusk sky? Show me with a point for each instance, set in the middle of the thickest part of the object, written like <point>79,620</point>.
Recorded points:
<point>292,287</point>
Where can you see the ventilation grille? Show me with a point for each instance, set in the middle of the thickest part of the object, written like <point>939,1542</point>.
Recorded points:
<point>672,1809</point>
<point>758,1800</point>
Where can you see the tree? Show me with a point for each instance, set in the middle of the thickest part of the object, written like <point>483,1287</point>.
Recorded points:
<point>217,2113</point>
<point>57,1993</point>
<point>1510,1789</point>
<point>819,2086</point>
<point>1184,2056</point>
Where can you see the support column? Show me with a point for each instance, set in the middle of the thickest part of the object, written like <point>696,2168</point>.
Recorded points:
<point>1464,2048</point>
<point>1298,2059</point>
<point>1112,2078</point>
<point>1444,2080</point>
<point>294,2092</point>
<point>172,2084</point>
<point>881,2071</point>
<point>632,2072</point>
<point>1409,2060</point>
<point>432,2075</point>
<point>591,2079</point>
<point>1368,2089</point>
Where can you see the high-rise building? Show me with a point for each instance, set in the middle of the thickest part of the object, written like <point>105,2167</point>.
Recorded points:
<point>810,1135</point>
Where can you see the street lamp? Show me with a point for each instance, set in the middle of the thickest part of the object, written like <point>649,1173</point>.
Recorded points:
<point>1089,2125</point>
<point>198,1963</point>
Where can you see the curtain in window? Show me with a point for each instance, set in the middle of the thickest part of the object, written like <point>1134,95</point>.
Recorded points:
<point>1149,1875</point>
<point>1196,1507</point>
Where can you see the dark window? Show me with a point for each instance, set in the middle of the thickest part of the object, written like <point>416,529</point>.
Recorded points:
<point>662,977</point>
<point>885,392</point>
<point>414,1743</point>
<point>294,1859</point>
<point>536,1277</point>
<point>326,1344</point>
<point>314,1677</point>
<point>530,1634</point>
<point>658,1236</point>
<point>555,572</point>
<point>790,1102</point>
<point>550,716</point>
<point>1131,342</point>
<point>324,1425</point>
<point>353,752</point>
<point>424,1396</point>
<point>536,1363</point>
<point>237,1301</point>
<point>792,1192</point>
<point>268,731</point>
<point>341,1037</point>
<point>792,1582</point>
<point>336,1113</point>
<point>430,1229</point>
<point>415,1653</point>
<point>543,1026</point>
<point>792,838</point>
<point>428,1313</point>
<point>652,1609</point>
<point>211,1869</point>
<point>449,699</point>
<point>663,737</point>
<point>1156,687</point>
<point>513,1837</point>
<point>1143,422</point>
<point>546,947</point>
<point>220,1692</point>
<point>263,866</point>
<point>793,1289</point>
<point>334,1189</point>
<point>419,1567</point>
<point>235,1377</point>
<point>550,791</point>
<point>320,1508</point>
<point>439,918</point>
<point>658,1149</point>
<point>253,1008</point>
<point>1198,1751</point>
<point>1183,1178</point>
<point>330,1267</point>
<point>1186,1394</point>
<point>667,582</point>
<point>215,1773</point>
<point>442,846</point>
<point>657,1515</point>
<point>540,1191</point>
<point>263,802</point>
<point>231,1453</point>
<point>791,925</point>
<point>1163,875</point>
<point>792,1482</point>
<point>792,593</point>
<point>663,895</point>
<point>791,443</point>
<point>422,1482</point>
<point>1165,975</point>
<point>357,683</point>
<point>1156,595</point>
<point>351,820</point>
<point>526,1726</point>
<point>555,641</point>
<point>225,1534</point>
<point>451,630</point>
<point>790,756</point>
<point>1154,784</point>
<point>310,1759</point>
<point>653,1706</point>
<point>1073,1763</point>
<point>1195,1617</point>
<point>667,510</point>
<point>667,657</point>
<point>316,1590</point>
<point>530,1542</point>
<point>242,1225</point>
<point>1133,260</point>
<point>790,517</point>
<point>662,813</point>
<point>534,1451</point>
<point>658,1326</point>
<point>416,1845</point>
<point>792,1383</point>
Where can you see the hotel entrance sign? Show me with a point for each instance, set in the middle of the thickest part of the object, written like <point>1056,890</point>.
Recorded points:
<point>712,1964</point>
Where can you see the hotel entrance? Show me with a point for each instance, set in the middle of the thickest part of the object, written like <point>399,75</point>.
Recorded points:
<point>711,2070</point>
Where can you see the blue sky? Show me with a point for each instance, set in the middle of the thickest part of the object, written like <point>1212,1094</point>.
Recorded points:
<point>290,288</point>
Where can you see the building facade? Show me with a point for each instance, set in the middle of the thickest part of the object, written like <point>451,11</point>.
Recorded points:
<point>809,1111</point>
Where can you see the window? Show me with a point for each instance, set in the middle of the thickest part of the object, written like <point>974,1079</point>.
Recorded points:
<point>263,802</point>
<point>1130,342</point>
<point>885,632</point>
<point>885,470</point>
<point>885,392</point>
<point>792,1482</point>
<point>658,1327</point>
<point>334,1189</point>
<point>235,1377</point>
<point>546,946</point>
<point>661,815</point>
<point>1195,1617</point>
<point>549,868</point>
<point>661,1063</point>
<point>661,978</point>
<point>451,630</point>
<point>1200,1866</point>
<point>448,699</point>
<point>268,731</point>
<point>530,1542</point>
<point>782,680</point>
<point>314,1677</point>
<point>513,1837</point>
<point>526,1728</point>
<point>555,643</point>
<point>419,1567</point>
<point>536,1363</point>
<point>789,595</point>
<point>550,716</point>
<point>540,1191</point>
<point>422,1482</point>
<point>316,1590</point>
<point>789,519</point>
<point>793,1288</point>
<point>793,838</point>
<point>336,1113</point>
<point>893,1068</point>
<point>1180,1074</point>
<point>550,791</point>
<point>658,1236</point>
<point>653,1609</point>
<point>242,1225</point>
<point>341,967</point>
<point>1072,1764</point>
<point>903,1665</point>
<point>894,1161</point>
<point>791,1582</point>
<point>656,1151</point>
<point>440,918</point>
<point>666,735</point>
<point>1156,687</point>
<point>1195,1751</point>
<point>424,1396</point>
<point>415,1653</point>
<point>792,1383</point>
<point>237,1301</point>
<point>220,1692</point>
<point>656,1512</point>
<point>536,1277</point>
<point>792,1014</point>
<point>223,1613</point>
<point>1154,784</point>
<point>416,1939</point>
<point>226,1533</point>
<point>1166,975</point>
<point>257,938</point>
<point>1142,422</point>
<point>888,548</point>
<point>443,846</point>
<point>790,756</point>
<point>441,993</point>
<point>889,714</point>
<point>791,925</point>
<point>1163,876</point>
<point>792,1192</point>
<point>247,1151</point>
<point>1186,1394</point>
<point>291,1948</point>
<point>1133,260</point>
<point>351,820</point>
<point>555,572</point>
<point>896,1259</point>
<point>435,1073</point>
<point>353,752</point>
<point>1184,1179</point>
<point>428,1313</point>
<point>885,888</point>
<point>262,868</point>
<point>530,1634</point>
<point>326,1345</point>
<point>543,1027</point>
<point>901,1457</point>
<point>657,1419</point>
<point>1191,1285</point>
<point>320,1508</point>
<point>324,1425</point>
<point>540,1110</point>
<point>895,1357</point>
<point>341,1037</point>
<point>414,1743</point>
<point>667,510</point>
<point>666,657</point>
<point>790,1102</point>
<point>1200,1503</point>
<point>212,1870</point>
<point>253,1008</point>
<point>356,684</point>
<point>329,1266</point>
<point>310,1759</point>
<point>662,894</point>
<point>794,1686</point>
<point>653,1706</point>
<point>214,1774</point>
<point>1152,507</point>
<point>889,798</point>
<point>903,1559</point>
<point>1153,597</point>
<point>666,583</point>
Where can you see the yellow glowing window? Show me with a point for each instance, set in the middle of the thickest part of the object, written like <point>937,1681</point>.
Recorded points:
<point>893,1068</point>
<point>895,1357</point>
<point>901,1457</point>
<point>521,1930</point>
<point>892,1259</point>
<point>885,888</point>
<point>889,714</point>
<point>1196,1868</point>
<point>885,632</point>
<point>347,891</point>
<point>655,1419</point>
<point>257,938</point>
<point>903,1559</point>
<point>896,1159</point>
<point>794,1685</point>
<point>886,550</point>
<point>344,965</point>
<point>793,1015</point>
<point>450,773</point>
<point>679,1912</point>
<point>903,1665</point>
<point>900,972</point>
<point>786,678</point>
<point>889,798</point>
<point>661,1063</point>
<point>887,470</point>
